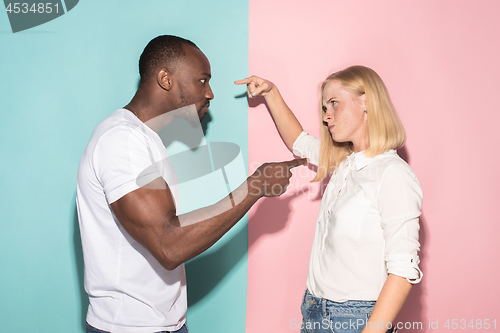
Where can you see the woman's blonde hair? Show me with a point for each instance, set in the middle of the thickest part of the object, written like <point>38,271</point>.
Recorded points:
<point>385,130</point>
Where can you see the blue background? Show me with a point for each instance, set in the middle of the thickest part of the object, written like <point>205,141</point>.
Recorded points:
<point>58,81</point>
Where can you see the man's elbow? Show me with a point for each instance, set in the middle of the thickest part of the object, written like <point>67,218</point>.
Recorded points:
<point>172,265</point>
<point>171,260</point>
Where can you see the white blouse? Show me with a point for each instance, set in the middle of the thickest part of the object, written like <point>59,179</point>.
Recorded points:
<point>367,225</point>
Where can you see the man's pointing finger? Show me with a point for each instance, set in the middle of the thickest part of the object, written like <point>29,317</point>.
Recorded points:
<point>296,162</point>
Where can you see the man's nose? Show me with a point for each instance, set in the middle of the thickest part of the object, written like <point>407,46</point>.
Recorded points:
<point>209,93</point>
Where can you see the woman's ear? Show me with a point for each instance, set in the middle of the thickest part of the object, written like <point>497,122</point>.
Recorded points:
<point>164,79</point>
<point>363,101</point>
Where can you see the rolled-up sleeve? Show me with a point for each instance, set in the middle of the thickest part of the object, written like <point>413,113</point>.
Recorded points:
<point>400,202</point>
<point>307,146</point>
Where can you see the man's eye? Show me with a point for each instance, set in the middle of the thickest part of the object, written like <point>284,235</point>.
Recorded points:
<point>203,81</point>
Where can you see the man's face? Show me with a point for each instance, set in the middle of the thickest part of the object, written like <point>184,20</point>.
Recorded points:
<point>193,77</point>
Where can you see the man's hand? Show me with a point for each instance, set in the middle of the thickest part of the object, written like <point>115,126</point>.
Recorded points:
<point>256,86</point>
<point>272,179</point>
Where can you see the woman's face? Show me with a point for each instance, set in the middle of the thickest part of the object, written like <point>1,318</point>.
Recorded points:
<point>344,114</point>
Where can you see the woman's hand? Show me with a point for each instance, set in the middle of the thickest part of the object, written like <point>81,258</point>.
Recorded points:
<point>288,126</point>
<point>256,86</point>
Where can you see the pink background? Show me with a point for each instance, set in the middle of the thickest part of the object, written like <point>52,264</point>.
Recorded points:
<point>439,60</point>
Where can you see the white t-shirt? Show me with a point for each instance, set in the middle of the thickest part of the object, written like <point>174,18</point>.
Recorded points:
<point>129,290</point>
<point>367,225</point>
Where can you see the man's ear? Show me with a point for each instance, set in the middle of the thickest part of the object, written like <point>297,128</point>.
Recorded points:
<point>164,79</point>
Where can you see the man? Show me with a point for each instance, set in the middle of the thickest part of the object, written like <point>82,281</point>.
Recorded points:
<point>133,241</point>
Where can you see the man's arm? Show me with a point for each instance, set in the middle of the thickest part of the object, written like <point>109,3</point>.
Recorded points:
<point>149,216</point>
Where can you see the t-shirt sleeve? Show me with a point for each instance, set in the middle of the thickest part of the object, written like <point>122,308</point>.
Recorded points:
<point>307,146</point>
<point>400,201</point>
<point>123,162</point>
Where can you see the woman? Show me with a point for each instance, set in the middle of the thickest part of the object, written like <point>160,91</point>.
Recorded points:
<point>364,256</point>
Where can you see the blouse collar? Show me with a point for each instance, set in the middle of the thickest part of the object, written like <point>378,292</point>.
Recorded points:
<point>361,160</point>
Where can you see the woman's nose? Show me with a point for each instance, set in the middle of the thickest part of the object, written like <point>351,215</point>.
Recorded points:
<point>327,117</point>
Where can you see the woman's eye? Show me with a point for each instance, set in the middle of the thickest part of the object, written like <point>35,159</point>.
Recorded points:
<point>333,103</point>
<point>323,108</point>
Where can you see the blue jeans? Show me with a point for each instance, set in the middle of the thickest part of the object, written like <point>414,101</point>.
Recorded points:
<point>92,329</point>
<point>320,315</point>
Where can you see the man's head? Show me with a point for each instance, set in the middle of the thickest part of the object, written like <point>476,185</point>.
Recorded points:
<point>177,66</point>
<point>162,51</point>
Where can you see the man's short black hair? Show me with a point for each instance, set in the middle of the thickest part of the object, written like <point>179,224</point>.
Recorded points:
<point>162,51</point>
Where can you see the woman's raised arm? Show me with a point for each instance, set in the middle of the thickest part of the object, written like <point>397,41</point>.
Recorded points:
<point>288,125</point>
